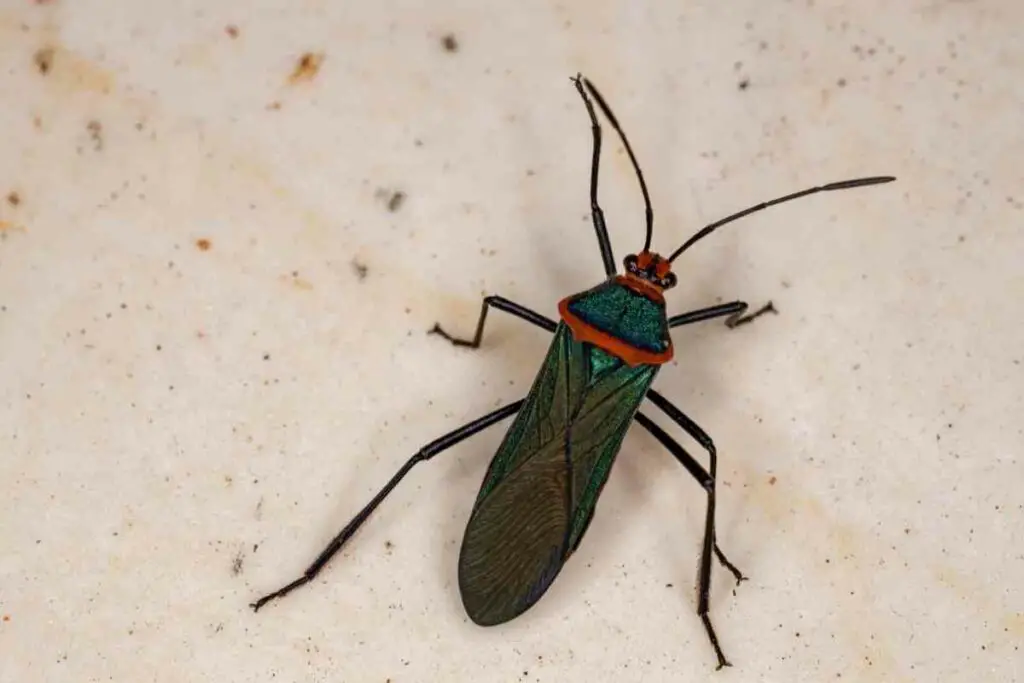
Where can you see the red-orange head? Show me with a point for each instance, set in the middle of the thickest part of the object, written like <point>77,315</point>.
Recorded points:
<point>651,269</point>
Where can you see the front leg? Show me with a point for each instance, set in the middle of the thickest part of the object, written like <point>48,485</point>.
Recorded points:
<point>502,304</point>
<point>734,310</point>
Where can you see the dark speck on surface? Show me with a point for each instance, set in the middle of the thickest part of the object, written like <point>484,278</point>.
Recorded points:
<point>744,84</point>
<point>449,43</point>
<point>95,129</point>
<point>237,563</point>
<point>13,198</point>
<point>396,200</point>
<point>360,269</point>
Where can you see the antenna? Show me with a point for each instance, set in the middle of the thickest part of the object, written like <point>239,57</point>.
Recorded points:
<point>629,150</point>
<point>841,185</point>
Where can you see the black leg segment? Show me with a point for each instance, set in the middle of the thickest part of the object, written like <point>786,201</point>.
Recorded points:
<point>426,453</point>
<point>502,304</point>
<point>707,479</point>
<point>734,310</point>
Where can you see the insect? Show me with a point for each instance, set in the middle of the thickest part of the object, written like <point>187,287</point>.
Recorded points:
<point>539,494</point>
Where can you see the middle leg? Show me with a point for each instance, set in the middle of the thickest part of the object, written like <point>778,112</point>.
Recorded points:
<point>502,304</point>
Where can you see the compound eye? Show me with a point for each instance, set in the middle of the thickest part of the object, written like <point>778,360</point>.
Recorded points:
<point>669,281</point>
<point>630,263</point>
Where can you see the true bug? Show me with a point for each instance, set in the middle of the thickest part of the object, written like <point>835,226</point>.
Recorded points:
<point>538,496</point>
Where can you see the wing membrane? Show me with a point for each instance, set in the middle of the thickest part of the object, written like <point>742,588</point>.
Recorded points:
<point>539,493</point>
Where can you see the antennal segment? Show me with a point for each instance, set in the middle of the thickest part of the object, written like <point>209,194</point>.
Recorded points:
<point>841,185</point>
<point>629,150</point>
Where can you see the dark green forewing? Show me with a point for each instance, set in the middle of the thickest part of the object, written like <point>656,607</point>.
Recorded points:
<point>540,490</point>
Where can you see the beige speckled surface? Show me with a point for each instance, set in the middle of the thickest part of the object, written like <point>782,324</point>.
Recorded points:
<point>201,384</point>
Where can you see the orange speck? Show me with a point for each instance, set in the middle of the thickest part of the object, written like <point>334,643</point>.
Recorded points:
<point>203,244</point>
<point>231,30</point>
<point>307,67</point>
<point>7,617</point>
<point>274,106</point>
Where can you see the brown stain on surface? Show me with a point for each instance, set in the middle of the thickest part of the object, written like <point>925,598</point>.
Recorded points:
<point>69,70</point>
<point>307,67</point>
<point>297,282</point>
<point>13,198</point>
<point>43,59</point>
<point>231,30</point>
<point>203,244</point>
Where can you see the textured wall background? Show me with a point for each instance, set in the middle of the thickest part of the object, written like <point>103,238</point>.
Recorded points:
<point>218,263</point>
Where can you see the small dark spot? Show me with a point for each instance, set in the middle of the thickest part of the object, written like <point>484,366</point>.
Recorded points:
<point>841,82</point>
<point>772,480</point>
<point>449,43</point>
<point>237,563</point>
<point>95,129</point>
<point>266,356</point>
<point>43,59</point>
<point>274,106</point>
<point>961,239</point>
<point>744,84</point>
<point>7,617</point>
<point>231,30</point>
<point>307,67</point>
<point>396,200</point>
<point>669,585</point>
<point>360,269</point>
<point>203,244</point>
<point>389,546</point>
<point>13,198</point>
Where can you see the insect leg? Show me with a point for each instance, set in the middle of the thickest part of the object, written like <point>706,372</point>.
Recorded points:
<point>426,453</point>
<point>708,482</point>
<point>603,241</point>
<point>734,310</point>
<point>502,304</point>
<point>694,430</point>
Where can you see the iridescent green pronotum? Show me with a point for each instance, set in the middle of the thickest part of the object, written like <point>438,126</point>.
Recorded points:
<point>541,489</point>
